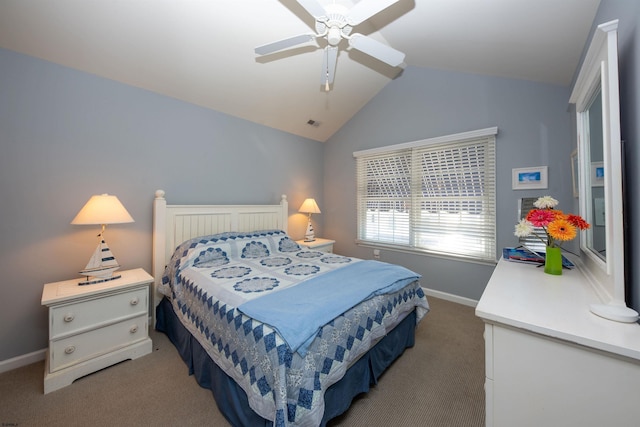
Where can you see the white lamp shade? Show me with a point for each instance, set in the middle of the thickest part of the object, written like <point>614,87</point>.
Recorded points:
<point>309,206</point>
<point>102,209</point>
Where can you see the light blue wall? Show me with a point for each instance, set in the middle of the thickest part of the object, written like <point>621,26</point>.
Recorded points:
<point>628,14</point>
<point>534,129</point>
<point>65,135</point>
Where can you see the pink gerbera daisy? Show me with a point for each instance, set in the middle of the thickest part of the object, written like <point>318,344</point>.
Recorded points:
<point>540,217</point>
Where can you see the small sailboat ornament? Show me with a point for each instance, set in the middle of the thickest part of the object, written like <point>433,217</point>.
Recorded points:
<point>101,266</point>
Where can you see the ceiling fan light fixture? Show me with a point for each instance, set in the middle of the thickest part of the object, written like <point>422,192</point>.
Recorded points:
<point>334,36</point>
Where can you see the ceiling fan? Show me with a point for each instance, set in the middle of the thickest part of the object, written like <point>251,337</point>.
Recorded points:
<point>334,23</point>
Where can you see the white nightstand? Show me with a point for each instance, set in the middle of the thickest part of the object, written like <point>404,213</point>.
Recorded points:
<point>323,245</point>
<point>92,327</point>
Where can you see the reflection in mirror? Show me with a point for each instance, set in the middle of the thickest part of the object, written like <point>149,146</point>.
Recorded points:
<point>595,236</point>
<point>597,104</point>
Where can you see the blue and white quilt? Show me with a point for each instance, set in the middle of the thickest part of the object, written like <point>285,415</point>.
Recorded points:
<point>220,286</point>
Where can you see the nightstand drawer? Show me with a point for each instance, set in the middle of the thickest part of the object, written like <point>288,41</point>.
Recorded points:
<point>88,314</point>
<point>77,348</point>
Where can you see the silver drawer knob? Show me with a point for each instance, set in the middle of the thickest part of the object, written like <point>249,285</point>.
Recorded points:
<point>70,349</point>
<point>134,329</point>
<point>134,301</point>
<point>69,317</point>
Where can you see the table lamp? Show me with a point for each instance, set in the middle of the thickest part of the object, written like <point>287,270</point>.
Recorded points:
<point>309,206</point>
<point>101,209</point>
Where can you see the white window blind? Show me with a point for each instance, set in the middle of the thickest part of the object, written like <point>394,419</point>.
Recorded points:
<point>435,195</point>
<point>534,241</point>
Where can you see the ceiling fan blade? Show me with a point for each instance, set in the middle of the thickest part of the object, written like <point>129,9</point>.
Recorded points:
<point>365,9</point>
<point>329,60</point>
<point>314,8</point>
<point>284,44</point>
<point>376,49</point>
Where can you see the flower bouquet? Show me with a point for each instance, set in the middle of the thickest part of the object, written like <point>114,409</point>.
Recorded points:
<point>558,227</point>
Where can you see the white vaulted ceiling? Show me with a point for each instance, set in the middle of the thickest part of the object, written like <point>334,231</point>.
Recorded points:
<point>201,51</point>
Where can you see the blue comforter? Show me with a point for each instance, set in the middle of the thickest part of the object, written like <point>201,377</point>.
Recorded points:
<point>299,312</point>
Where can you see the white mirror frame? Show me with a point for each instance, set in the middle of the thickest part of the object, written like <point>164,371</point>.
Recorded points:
<point>600,71</point>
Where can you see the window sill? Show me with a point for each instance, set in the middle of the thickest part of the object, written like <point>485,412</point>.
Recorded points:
<point>422,252</point>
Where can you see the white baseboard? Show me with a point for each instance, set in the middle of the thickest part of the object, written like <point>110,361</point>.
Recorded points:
<point>450,297</point>
<point>24,360</point>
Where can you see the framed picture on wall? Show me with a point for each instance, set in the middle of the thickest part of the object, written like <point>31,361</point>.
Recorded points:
<point>532,178</point>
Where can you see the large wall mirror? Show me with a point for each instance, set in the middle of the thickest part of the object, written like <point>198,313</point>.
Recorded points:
<point>597,104</point>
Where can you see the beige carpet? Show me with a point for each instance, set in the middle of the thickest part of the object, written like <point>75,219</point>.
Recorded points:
<point>437,383</point>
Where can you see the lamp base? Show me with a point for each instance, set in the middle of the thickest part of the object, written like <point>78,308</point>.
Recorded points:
<point>101,266</point>
<point>309,235</point>
<point>93,281</point>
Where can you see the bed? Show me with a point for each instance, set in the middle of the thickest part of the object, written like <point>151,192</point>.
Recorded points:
<point>228,280</point>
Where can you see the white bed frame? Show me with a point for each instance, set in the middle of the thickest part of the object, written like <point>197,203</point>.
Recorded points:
<point>173,224</point>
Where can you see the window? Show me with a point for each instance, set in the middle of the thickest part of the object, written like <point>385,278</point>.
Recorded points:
<point>435,195</point>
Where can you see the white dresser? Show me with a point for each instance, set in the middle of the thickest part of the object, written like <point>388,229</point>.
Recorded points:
<point>549,360</point>
<point>95,326</point>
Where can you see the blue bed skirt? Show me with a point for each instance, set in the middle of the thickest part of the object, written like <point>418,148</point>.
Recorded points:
<point>232,400</point>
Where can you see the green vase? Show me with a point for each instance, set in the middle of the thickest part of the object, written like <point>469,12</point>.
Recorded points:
<point>553,261</point>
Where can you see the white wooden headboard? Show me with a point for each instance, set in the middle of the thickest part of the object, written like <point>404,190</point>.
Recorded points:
<point>173,224</point>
